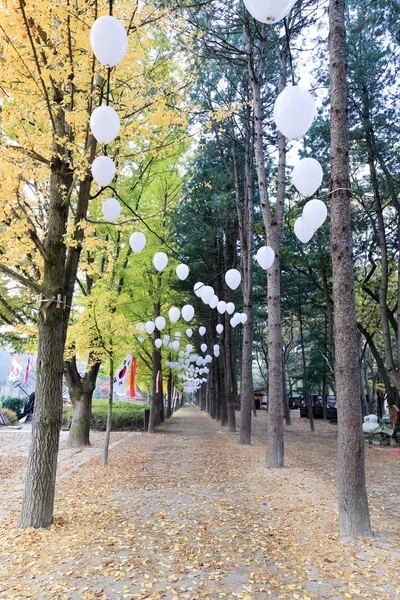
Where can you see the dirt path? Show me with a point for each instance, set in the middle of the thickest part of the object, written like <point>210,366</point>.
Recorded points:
<point>190,514</point>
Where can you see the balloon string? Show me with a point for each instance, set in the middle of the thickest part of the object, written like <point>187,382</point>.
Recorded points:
<point>289,51</point>
<point>111,7</point>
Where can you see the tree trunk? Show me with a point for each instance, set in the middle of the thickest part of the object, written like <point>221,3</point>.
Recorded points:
<point>154,400</point>
<point>230,400</point>
<point>353,502</point>
<point>169,400</point>
<point>303,359</point>
<point>273,220</point>
<point>38,498</point>
<point>109,415</point>
<point>81,393</point>
<point>286,408</point>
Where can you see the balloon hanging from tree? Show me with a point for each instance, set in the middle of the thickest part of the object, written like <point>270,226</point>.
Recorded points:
<point>307,176</point>
<point>269,11</point>
<point>233,279</point>
<point>294,112</point>
<point>108,40</point>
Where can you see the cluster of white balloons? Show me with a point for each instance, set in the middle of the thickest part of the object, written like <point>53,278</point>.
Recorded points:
<point>294,112</point>
<point>313,217</point>
<point>109,43</point>
<point>189,367</point>
<point>307,177</point>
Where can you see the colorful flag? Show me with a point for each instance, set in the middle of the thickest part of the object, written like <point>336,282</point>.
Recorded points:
<point>2,418</point>
<point>119,380</point>
<point>132,392</point>
<point>29,368</point>
<point>158,382</point>
<point>16,368</point>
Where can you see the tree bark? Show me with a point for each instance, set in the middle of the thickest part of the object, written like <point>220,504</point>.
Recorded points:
<point>303,359</point>
<point>38,497</point>
<point>353,502</point>
<point>109,415</point>
<point>81,394</point>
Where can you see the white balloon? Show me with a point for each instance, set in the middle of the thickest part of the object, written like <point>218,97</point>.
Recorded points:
<point>294,112</point>
<point>178,335</point>
<point>149,327</point>
<point>103,170</point>
<point>315,213</point>
<point>207,294</point>
<point>188,312</point>
<point>220,328</point>
<point>230,308</point>
<point>104,124</point>
<point>160,323</point>
<point>108,40</point>
<point>176,345</point>
<point>243,318</point>
<point>303,230</point>
<point>140,338</point>
<point>307,176</point>
<point>221,307</point>
<point>202,330</point>
<point>233,278</point>
<point>158,343</point>
<point>181,354</point>
<point>111,209</point>
<point>198,288</point>
<point>160,261</point>
<point>189,333</point>
<point>174,314</point>
<point>203,347</point>
<point>216,348</point>
<point>171,345</point>
<point>269,11</point>
<point>137,241</point>
<point>166,340</point>
<point>189,347</point>
<point>213,302</point>
<point>182,271</point>
<point>237,318</point>
<point>265,257</point>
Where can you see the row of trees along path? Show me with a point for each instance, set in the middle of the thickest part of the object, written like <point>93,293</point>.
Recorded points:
<point>190,513</point>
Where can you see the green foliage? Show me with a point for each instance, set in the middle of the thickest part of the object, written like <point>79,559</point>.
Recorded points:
<point>16,405</point>
<point>10,416</point>
<point>126,416</point>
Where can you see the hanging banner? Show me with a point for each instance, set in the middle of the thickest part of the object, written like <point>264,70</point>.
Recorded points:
<point>29,368</point>
<point>132,392</point>
<point>119,381</point>
<point>158,382</point>
<point>16,368</point>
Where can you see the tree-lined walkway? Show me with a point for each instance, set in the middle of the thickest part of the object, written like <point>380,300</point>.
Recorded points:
<point>188,513</point>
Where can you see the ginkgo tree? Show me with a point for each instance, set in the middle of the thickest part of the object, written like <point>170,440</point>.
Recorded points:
<point>50,85</point>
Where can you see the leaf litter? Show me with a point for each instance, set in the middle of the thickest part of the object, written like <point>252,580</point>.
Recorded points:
<point>190,514</point>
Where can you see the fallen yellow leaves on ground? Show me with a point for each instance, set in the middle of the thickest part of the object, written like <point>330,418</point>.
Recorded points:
<point>189,514</point>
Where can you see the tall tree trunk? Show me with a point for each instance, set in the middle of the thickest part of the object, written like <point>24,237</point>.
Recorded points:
<point>324,373</point>
<point>286,408</point>
<point>246,230</point>
<point>38,497</point>
<point>273,220</point>
<point>304,363</point>
<point>109,415</point>
<point>230,400</point>
<point>81,393</point>
<point>169,397</point>
<point>353,502</point>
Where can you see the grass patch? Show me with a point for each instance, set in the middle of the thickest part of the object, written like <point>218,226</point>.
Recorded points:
<point>125,416</point>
